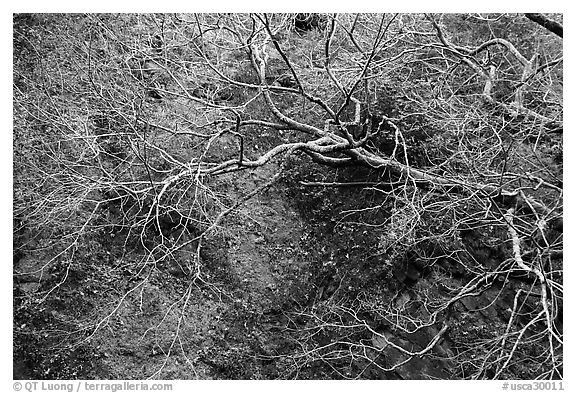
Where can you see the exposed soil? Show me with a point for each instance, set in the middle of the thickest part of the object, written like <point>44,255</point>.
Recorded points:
<point>272,274</point>
<point>284,250</point>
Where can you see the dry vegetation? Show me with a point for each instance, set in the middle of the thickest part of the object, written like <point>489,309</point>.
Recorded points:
<point>288,196</point>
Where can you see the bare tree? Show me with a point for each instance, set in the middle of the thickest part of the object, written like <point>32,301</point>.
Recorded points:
<point>143,141</point>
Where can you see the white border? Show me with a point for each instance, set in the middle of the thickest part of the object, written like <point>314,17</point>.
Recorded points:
<point>293,6</point>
